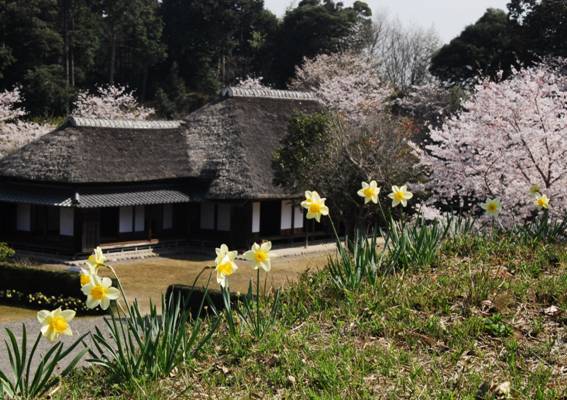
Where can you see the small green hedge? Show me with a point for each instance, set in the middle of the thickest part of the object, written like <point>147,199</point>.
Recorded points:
<point>30,280</point>
<point>42,289</point>
<point>5,252</point>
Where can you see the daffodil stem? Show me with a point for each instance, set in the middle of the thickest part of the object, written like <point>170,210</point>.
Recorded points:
<point>121,288</point>
<point>386,220</point>
<point>335,231</point>
<point>258,301</point>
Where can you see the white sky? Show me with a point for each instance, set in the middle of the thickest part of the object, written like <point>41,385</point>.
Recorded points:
<point>448,17</point>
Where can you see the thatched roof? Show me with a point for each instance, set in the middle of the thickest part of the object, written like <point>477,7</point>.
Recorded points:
<point>239,134</point>
<point>103,151</point>
<point>227,146</point>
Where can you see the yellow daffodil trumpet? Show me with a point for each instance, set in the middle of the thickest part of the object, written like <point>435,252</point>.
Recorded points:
<point>55,323</point>
<point>259,255</point>
<point>87,274</point>
<point>492,207</point>
<point>100,292</point>
<point>369,192</point>
<point>225,265</point>
<point>97,259</point>
<point>542,201</point>
<point>400,195</point>
<point>315,206</point>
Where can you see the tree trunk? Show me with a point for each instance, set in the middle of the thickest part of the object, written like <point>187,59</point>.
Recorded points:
<point>66,64</point>
<point>145,81</point>
<point>71,46</point>
<point>112,54</point>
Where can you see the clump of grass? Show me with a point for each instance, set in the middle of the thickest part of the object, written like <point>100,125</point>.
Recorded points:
<point>453,331</point>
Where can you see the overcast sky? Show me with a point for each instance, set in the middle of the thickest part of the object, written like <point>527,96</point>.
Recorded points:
<point>448,17</point>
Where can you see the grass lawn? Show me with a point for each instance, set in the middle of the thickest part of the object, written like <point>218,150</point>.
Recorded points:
<point>149,278</point>
<point>9,313</point>
<point>480,317</point>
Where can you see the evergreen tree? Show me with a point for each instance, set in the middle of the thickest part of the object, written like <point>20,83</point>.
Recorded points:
<point>313,28</point>
<point>486,47</point>
<point>132,42</point>
<point>216,41</point>
<point>540,28</point>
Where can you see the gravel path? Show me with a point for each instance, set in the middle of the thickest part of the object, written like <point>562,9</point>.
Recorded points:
<point>148,278</point>
<point>80,326</point>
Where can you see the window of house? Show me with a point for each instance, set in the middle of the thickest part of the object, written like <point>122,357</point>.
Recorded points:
<point>139,219</point>
<point>126,218</point>
<point>208,216</point>
<point>23,218</point>
<point>132,219</point>
<point>298,217</point>
<point>223,217</point>
<point>167,217</point>
<point>256,217</point>
<point>66,222</point>
<point>286,215</point>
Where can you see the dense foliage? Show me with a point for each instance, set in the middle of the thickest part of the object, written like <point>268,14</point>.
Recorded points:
<point>173,53</point>
<point>329,153</point>
<point>498,41</point>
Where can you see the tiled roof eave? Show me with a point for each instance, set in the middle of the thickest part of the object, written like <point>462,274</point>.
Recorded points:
<point>92,199</point>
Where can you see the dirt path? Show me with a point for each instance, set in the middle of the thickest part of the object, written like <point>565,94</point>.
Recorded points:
<point>148,279</point>
<point>11,314</point>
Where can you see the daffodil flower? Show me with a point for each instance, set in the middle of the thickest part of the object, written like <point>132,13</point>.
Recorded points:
<point>492,207</point>
<point>369,192</point>
<point>535,190</point>
<point>315,206</point>
<point>542,201</point>
<point>225,267</point>
<point>97,259</point>
<point>100,292</point>
<point>55,323</point>
<point>88,273</point>
<point>222,251</point>
<point>400,195</point>
<point>260,256</point>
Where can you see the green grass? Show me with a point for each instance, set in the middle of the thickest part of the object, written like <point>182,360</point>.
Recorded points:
<point>454,331</point>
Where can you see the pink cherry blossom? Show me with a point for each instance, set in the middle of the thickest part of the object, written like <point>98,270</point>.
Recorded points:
<point>111,102</point>
<point>15,132</point>
<point>347,83</point>
<point>511,135</point>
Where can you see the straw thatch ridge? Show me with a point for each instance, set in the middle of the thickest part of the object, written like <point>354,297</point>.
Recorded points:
<point>267,93</point>
<point>86,154</point>
<point>121,124</point>
<point>239,135</point>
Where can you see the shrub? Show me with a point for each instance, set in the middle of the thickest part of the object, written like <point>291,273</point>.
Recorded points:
<point>6,252</point>
<point>33,280</point>
<point>39,300</point>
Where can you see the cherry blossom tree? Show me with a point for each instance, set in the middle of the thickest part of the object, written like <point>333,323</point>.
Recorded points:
<point>251,83</point>
<point>15,132</point>
<point>111,102</point>
<point>347,83</point>
<point>511,135</point>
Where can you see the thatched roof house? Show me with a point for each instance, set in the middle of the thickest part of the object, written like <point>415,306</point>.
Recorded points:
<point>208,177</point>
<point>239,133</point>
